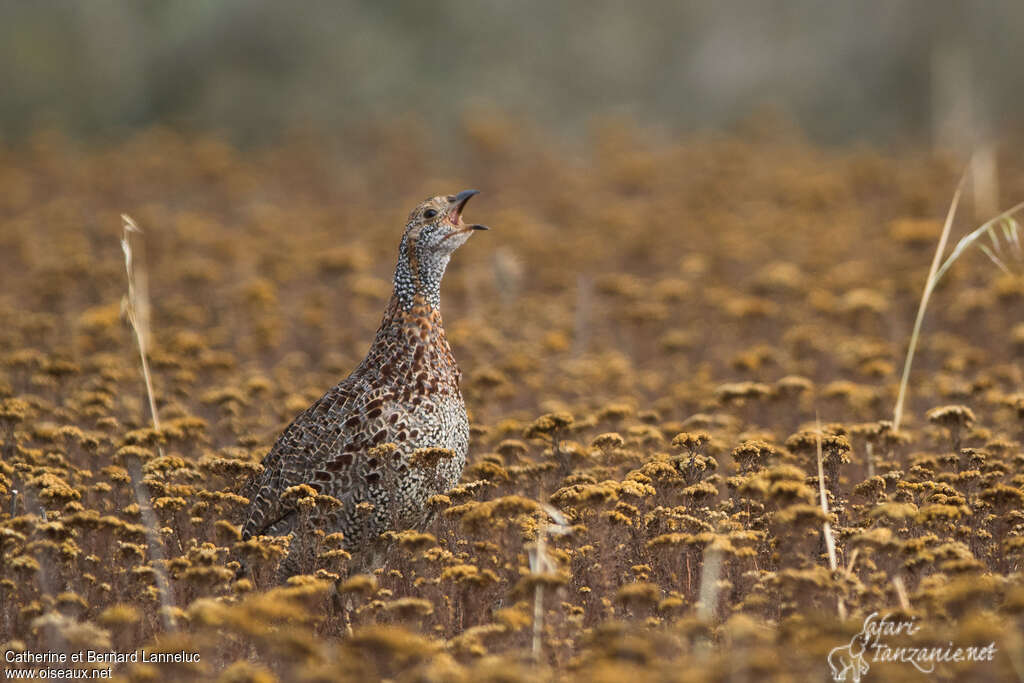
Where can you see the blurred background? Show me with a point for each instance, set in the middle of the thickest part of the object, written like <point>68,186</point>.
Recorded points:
<point>711,218</point>
<point>900,70</point>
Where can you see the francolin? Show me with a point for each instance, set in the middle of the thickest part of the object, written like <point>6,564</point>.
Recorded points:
<point>405,392</point>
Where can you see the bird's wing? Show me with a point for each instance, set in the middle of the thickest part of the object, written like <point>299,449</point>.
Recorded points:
<point>314,436</point>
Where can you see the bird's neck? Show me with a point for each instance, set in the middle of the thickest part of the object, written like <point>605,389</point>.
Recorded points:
<point>418,276</point>
<point>409,341</point>
<point>411,336</point>
<point>419,324</point>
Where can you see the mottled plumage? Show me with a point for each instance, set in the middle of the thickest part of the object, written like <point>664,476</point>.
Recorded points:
<point>405,392</point>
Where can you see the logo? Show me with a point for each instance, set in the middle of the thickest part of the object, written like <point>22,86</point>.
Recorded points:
<point>877,641</point>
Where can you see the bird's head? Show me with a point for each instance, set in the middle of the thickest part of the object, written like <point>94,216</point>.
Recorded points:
<point>436,225</point>
<point>434,230</point>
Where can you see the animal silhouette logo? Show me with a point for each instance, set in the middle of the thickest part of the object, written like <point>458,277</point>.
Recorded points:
<point>847,661</point>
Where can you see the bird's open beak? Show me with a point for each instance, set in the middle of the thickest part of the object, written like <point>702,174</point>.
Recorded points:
<point>460,203</point>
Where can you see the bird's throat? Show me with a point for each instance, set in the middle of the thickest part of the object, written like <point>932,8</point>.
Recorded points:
<point>418,275</point>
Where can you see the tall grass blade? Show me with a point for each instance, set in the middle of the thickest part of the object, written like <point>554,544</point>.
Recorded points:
<point>969,239</point>
<point>136,309</point>
<point>712,568</point>
<point>830,541</point>
<point>1010,229</point>
<point>995,259</point>
<point>540,563</point>
<point>928,287</point>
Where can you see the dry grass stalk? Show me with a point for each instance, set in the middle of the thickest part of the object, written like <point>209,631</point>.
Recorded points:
<point>830,542</point>
<point>901,592</point>
<point>136,309</point>
<point>853,560</point>
<point>928,286</point>
<point>710,573</point>
<point>542,563</point>
<point>1010,229</point>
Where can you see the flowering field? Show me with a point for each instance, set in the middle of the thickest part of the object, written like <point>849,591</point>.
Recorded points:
<point>657,337</point>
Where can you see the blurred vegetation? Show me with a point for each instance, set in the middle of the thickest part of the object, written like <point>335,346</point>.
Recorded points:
<point>648,334</point>
<point>887,70</point>
<point>658,332</point>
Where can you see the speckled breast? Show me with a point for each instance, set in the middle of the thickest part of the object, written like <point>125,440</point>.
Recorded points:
<point>442,423</point>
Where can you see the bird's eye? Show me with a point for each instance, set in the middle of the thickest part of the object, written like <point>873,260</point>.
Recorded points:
<point>430,213</point>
